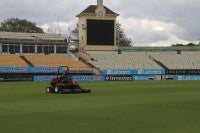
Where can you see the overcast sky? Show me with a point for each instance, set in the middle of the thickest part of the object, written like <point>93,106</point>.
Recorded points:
<point>146,22</point>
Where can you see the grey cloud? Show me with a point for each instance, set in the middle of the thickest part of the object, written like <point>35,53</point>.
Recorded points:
<point>184,13</point>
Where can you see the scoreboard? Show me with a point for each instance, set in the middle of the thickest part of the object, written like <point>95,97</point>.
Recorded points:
<point>100,32</point>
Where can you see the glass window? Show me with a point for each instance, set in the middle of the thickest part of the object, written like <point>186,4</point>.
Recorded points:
<point>5,48</point>
<point>61,49</point>
<point>11,49</point>
<point>17,49</point>
<point>58,50</point>
<point>25,49</point>
<point>31,49</point>
<point>51,49</point>
<point>39,48</point>
<point>46,49</point>
<point>28,49</point>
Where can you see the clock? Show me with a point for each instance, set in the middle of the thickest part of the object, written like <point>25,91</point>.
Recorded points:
<point>100,14</point>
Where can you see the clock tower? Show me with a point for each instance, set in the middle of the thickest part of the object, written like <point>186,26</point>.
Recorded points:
<point>97,28</point>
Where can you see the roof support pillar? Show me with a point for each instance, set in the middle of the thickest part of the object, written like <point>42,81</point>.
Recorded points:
<point>21,48</point>
<point>36,50</point>
<point>55,49</point>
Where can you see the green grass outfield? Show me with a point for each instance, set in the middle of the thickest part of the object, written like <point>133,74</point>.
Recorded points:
<point>112,107</point>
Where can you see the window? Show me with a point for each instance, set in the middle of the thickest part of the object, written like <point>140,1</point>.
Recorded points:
<point>5,48</point>
<point>17,49</point>
<point>61,49</point>
<point>39,48</point>
<point>11,49</point>
<point>25,49</point>
<point>28,49</point>
<point>31,49</point>
<point>51,49</point>
<point>45,49</point>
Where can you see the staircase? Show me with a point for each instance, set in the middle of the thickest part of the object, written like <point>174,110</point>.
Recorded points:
<point>158,62</point>
<point>26,61</point>
<point>84,57</point>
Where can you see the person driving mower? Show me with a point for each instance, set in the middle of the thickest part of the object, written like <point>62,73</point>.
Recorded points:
<point>66,77</point>
<point>64,84</point>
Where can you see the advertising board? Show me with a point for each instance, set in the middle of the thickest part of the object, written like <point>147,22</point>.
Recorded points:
<point>45,78</point>
<point>183,72</point>
<point>134,72</point>
<point>29,69</point>
<point>187,77</point>
<point>118,77</point>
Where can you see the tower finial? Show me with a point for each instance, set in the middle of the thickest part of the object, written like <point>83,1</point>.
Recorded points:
<point>99,2</point>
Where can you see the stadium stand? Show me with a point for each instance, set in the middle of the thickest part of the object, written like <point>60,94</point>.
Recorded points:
<point>54,60</point>
<point>43,43</point>
<point>11,60</point>
<point>172,60</point>
<point>110,60</point>
<point>126,60</point>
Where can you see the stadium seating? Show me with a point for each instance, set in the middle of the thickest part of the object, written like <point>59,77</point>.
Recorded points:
<point>54,60</point>
<point>110,60</point>
<point>172,60</point>
<point>11,60</point>
<point>144,60</point>
<point>126,60</point>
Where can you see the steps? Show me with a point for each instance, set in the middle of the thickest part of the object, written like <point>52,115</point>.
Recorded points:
<point>84,57</point>
<point>158,62</point>
<point>26,61</point>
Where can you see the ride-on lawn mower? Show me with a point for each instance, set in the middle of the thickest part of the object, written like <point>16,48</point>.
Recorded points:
<point>65,85</point>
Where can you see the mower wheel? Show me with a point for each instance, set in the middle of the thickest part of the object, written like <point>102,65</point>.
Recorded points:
<point>49,90</point>
<point>57,89</point>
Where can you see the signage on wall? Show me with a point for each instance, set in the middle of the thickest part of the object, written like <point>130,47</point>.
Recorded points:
<point>118,77</point>
<point>119,72</point>
<point>44,78</point>
<point>183,72</point>
<point>134,72</point>
<point>187,77</point>
<point>151,72</point>
<point>29,69</point>
<point>88,78</point>
<point>141,77</point>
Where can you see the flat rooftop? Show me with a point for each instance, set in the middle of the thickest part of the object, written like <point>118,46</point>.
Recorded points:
<point>31,37</point>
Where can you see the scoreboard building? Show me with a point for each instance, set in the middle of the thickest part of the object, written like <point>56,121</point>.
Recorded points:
<point>97,28</point>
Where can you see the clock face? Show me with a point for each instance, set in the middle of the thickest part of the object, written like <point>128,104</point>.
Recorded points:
<point>100,14</point>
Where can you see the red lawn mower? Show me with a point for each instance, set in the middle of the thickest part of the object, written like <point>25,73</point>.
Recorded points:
<point>61,85</point>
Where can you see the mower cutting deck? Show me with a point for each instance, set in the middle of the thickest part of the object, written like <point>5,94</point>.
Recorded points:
<point>63,86</point>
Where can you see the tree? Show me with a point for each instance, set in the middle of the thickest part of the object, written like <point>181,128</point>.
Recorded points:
<point>20,25</point>
<point>122,40</point>
<point>191,44</point>
<point>177,45</point>
<point>74,32</point>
